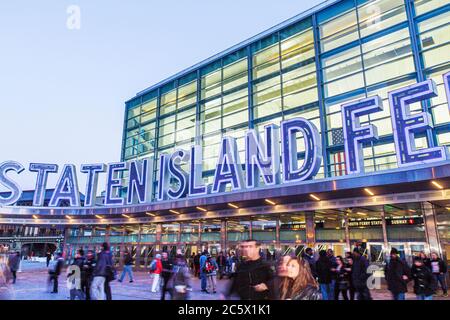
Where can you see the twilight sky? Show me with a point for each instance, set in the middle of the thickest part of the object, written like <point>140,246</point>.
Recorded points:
<point>62,89</point>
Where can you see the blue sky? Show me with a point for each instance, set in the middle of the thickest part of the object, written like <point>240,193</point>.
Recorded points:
<point>62,91</point>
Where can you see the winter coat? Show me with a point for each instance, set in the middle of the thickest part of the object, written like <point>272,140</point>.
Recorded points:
<point>312,264</point>
<point>249,274</point>
<point>159,266</point>
<point>359,274</point>
<point>394,272</point>
<point>13,262</point>
<point>438,263</point>
<point>424,281</point>
<point>104,264</point>
<point>323,270</point>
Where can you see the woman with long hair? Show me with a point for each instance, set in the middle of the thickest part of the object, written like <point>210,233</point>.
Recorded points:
<point>299,284</point>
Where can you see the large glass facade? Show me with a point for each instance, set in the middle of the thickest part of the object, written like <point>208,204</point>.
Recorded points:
<point>309,68</point>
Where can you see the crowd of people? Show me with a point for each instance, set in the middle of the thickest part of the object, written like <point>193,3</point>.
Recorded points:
<point>310,276</point>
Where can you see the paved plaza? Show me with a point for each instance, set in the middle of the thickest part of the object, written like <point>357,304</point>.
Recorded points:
<point>32,285</point>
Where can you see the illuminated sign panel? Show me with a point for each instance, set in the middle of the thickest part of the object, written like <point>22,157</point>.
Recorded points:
<point>180,173</point>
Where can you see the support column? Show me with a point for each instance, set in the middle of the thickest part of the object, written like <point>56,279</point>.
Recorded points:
<point>199,241</point>
<point>431,231</point>
<point>158,238</point>
<point>310,229</point>
<point>137,264</point>
<point>250,229</point>
<point>223,235</point>
<point>347,233</point>
<point>277,234</point>
<point>107,233</point>
<point>385,236</point>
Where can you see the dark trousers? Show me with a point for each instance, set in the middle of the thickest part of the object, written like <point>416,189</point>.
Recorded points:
<point>86,288</point>
<point>14,274</point>
<point>54,278</point>
<point>363,293</point>
<point>337,291</point>
<point>164,288</point>
<point>108,293</point>
<point>77,293</point>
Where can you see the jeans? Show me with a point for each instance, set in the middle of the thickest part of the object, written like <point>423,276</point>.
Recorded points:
<point>14,275</point>
<point>327,294</point>
<point>424,297</point>
<point>440,278</point>
<point>77,293</point>
<point>54,278</point>
<point>332,285</point>
<point>399,296</point>
<point>155,284</point>
<point>98,288</point>
<point>363,293</point>
<point>203,280</point>
<point>129,270</point>
<point>212,282</point>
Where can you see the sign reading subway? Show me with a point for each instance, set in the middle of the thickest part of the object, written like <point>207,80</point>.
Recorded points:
<point>271,158</point>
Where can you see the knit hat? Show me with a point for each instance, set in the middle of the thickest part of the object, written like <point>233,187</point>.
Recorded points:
<point>394,251</point>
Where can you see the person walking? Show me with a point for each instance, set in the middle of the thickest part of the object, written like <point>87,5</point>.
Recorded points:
<point>87,274</point>
<point>211,268</point>
<point>197,265</point>
<point>348,267</point>
<point>342,277</point>
<point>254,277</point>
<point>155,270</point>
<point>203,277</point>
<point>74,277</point>
<point>397,275</point>
<point>127,266</point>
<point>166,273</point>
<point>179,282</point>
<point>14,264</point>
<point>359,275</point>
<point>48,257</point>
<point>439,269</point>
<point>222,263</point>
<point>332,258</point>
<point>324,275</point>
<point>54,270</point>
<point>103,272</point>
<point>424,281</point>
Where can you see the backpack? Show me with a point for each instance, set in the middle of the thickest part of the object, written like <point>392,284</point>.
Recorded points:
<point>153,266</point>
<point>209,267</point>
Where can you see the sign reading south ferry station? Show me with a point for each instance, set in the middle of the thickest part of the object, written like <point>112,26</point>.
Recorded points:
<point>270,157</point>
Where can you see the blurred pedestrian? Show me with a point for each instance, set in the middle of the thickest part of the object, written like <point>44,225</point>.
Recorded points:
<point>424,281</point>
<point>397,275</point>
<point>127,266</point>
<point>155,270</point>
<point>324,275</point>
<point>439,269</point>
<point>14,264</point>
<point>166,273</point>
<point>103,273</point>
<point>359,275</point>
<point>342,276</point>
<point>54,270</point>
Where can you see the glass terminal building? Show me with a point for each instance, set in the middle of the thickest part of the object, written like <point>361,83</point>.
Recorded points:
<point>307,66</point>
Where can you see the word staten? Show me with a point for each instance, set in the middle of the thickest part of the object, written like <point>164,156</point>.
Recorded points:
<point>180,173</point>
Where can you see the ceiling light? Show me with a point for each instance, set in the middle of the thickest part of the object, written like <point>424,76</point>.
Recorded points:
<point>150,214</point>
<point>270,202</point>
<point>233,205</point>
<point>368,191</point>
<point>100,217</point>
<point>437,185</point>
<point>173,211</point>
<point>201,209</point>
<point>314,197</point>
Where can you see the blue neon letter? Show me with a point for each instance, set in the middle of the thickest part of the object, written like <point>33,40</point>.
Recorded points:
<point>42,170</point>
<point>228,167</point>
<point>66,188</point>
<point>113,182</point>
<point>16,191</point>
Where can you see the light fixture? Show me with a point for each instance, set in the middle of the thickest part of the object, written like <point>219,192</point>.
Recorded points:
<point>361,213</point>
<point>150,214</point>
<point>35,216</point>
<point>68,217</point>
<point>367,190</point>
<point>126,216</point>
<point>270,202</point>
<point>201,209</point>
<point>314,197</point>
<point>98,216</point>
<point>233,205</point>
<point>173,211</point>
<point>437,185</point>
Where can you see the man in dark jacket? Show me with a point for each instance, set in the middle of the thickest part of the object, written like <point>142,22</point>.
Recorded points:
<point>127,267</point>
<point>55,270</point>
<point>167,266</point>
<point>309,257</point>
<point>103,272</point>
<point>359,275</point>
<point>75,290</point>
<point>254,277</point>
<point>197,265</point>
<point>87,273</point>
<point>424,281</point>
<point>221,262</point>
<point>324,274</point>
<point>397,275</point>
<point>13,264</point>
